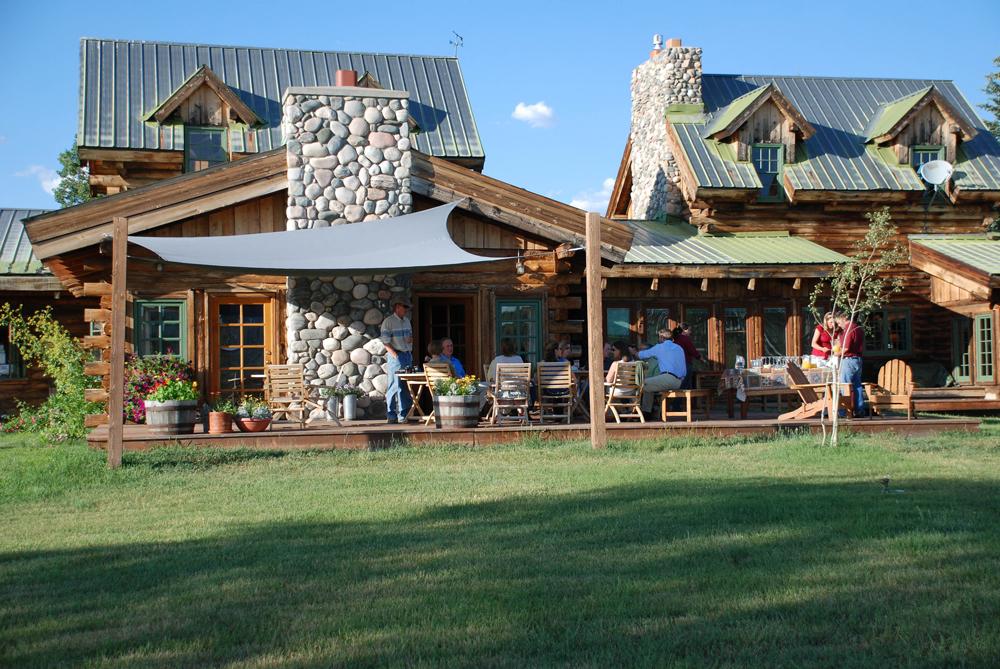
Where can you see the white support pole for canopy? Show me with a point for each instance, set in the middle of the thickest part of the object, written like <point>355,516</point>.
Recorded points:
<point>595,332</point>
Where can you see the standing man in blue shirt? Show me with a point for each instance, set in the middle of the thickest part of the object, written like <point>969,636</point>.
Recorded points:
<point>448,353</point>
<point>673,368</point>
<point>397,336</point>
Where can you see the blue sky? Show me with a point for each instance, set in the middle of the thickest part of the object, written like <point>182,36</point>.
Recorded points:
<point>576,58</point>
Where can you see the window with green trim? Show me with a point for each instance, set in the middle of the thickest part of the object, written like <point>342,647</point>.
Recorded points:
<point>775,321</point>
<point>735,334</point>
<point>961,348</point>
<point>204,147</point>
<point>161,327</point>
<point>888,332</point>
<point>11,364</point>
<point>925,154</point>
<point>521,322</point>
<point>984,348</point>
<point>697,318</point>
<point>768,159</point>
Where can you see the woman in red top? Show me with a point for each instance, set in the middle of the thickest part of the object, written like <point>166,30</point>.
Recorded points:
<point>823,336</point>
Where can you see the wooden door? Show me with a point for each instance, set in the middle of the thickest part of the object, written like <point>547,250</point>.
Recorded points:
<point>451,317</point>
<point>241,342</point>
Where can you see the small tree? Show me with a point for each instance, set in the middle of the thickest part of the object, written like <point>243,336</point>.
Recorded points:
<point>860,286</point>
<point>992,104</point>
<point>74,187</point>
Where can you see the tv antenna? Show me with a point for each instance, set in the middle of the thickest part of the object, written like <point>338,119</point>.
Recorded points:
<point>934,173</point>
<point>459,41</point>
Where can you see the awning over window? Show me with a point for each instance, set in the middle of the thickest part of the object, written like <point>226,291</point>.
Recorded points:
<point>413,242</point>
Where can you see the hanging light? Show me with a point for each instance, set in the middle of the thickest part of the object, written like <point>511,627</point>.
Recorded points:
<point>519,266</point>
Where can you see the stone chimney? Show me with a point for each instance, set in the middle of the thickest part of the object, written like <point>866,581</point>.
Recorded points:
<point>671,76</point>
<point>348,152</point>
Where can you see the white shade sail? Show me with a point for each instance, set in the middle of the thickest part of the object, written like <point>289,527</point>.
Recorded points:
<point>412,242</point>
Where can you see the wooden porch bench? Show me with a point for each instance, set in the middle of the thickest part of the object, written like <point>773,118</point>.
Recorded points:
<point>688,396</point>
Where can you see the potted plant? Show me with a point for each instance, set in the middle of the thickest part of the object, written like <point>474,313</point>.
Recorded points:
<point>456,402</point>
<point>220,416</point>
<point>171,407</point>
<point>253,414</point>
<point>332,397</point>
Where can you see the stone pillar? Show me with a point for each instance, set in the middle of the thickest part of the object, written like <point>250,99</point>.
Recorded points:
<point>672,75</point>
<point>348,153</point>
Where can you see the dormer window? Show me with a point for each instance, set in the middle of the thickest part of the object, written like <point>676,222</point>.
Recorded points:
<point>768,159</point>
<point>205,147</point>
<point>925,153</point>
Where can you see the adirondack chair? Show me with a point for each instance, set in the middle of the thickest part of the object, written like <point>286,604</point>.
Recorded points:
<point>287,395</point>
<point>813,403</point>
<point>625,392</point>
<point>511,393</point>
<point>433,372</point>
<point>556,394</point>
<point>894,389</point>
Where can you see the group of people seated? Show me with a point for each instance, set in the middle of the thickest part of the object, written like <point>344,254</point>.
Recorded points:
<point>443,350</point>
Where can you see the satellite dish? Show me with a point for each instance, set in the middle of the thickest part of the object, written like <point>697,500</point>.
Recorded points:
<point>936,172</point>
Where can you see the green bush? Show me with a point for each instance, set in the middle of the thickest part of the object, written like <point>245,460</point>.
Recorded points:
<point>174,389</point>
<point>44,343</point>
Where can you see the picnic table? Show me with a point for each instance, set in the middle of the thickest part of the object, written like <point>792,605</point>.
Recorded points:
<point>750,383</point>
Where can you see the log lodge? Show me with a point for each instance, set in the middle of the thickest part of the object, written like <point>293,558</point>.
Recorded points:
<point>734,194</point>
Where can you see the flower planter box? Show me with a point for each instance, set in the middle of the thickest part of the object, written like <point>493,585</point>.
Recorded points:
<point>456,411</point>
<point>171,417</point>
<point>252,424</point>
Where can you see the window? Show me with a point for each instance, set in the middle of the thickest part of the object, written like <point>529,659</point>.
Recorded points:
<point>619,323</point>
<point>768,159</point>
<point>888,332</point>
<point>961,345</point>
<point>656,320</point>
<point>204,147</point>
<point>984,348</point>
<point>774,331</point>
<point>521,322</point>
<point>735,329</point>
<point>161,327</point>
<point>697,318</point>
<point>925,154</point>
<point>11,365</point>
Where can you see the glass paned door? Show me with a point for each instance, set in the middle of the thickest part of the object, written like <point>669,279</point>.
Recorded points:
<point>656,319</point>
<point>961,349</point>
<point>521,322</point>
<point>697,318</point>
<point>774,331</point>
<point>735,333</point>
<point>983,329</point>
<point>452,318</point>
<point>241,344</point>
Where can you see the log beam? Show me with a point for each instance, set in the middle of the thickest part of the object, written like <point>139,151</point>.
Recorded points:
<point>116,401</point>
<point>595,335</point>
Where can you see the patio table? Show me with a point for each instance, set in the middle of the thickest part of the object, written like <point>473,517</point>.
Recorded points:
<point>416,384</point>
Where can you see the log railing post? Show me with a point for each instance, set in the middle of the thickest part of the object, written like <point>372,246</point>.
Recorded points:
<point>116,389</point>
<point>595,332</point>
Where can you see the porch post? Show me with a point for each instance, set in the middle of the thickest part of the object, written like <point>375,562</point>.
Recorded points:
<point>595,332</point>
<point>116,389</point>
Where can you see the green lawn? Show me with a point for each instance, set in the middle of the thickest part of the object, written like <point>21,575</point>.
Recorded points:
<point>671,553</point>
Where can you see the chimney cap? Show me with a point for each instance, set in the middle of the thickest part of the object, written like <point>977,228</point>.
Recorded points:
<point>657,42</point>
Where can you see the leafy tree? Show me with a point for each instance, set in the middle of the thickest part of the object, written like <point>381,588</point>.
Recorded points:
<point>992,105</point>
<point>74,187</point>
<point>860,286</point>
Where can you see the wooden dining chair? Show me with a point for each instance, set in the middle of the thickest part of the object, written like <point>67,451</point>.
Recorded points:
<point>894,389</point>
<point>625,392</point>
<point>511,393</point>
<point>287,394</point>
<point>556,392</point>
<point>434,372</point>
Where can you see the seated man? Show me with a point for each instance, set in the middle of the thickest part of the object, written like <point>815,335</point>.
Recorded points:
<point>448,355</point>
<point>673,368</point>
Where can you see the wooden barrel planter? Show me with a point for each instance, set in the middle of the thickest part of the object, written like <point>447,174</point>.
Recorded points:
<point>171,417</point>
<point>456,410</point>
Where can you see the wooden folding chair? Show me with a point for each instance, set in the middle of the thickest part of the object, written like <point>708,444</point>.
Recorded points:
<point>556,391</point>
<point>512,392</point>
<point>894,389</point>
<point>433,372</point>
<point>625,392</point>
<point>287,394</point>
<point>813,403</point>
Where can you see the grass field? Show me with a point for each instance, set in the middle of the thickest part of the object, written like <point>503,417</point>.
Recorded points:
<point>671,553</point>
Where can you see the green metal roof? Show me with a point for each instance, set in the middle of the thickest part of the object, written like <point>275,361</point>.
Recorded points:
<point>733,110</point>
<point>16,256</point>
<point>680,244</point>
<point>978,251</point>
<point>891,113</point>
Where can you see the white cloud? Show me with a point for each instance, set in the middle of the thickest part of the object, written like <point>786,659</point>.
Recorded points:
<point>594,200</point>
<point>47,178</point>
<point>537,115</point>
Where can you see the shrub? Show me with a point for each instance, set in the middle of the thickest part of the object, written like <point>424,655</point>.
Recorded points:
<point>173,389</point>
<point>142,375</point>
<point>44,343</point>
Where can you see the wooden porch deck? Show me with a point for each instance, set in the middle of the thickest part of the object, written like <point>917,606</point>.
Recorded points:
<point>360,435</point>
